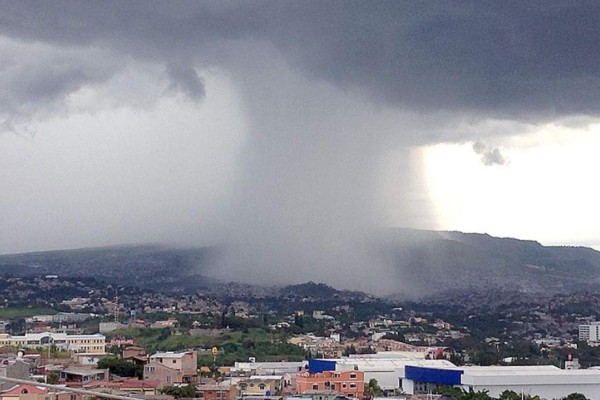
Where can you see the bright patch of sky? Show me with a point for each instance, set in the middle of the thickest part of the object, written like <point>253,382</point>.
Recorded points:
<point>546,191</point>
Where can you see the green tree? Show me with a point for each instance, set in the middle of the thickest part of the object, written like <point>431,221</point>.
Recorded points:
<point>180,392</point>
<point>449,391</point>
<point>52,378</point>
<point>475,395</point>
<point>512,395</point>
<point>121,367</point>
<point>372,389</point>
<point>349,350</point>
<point>509,395</point>
<point>575,396</point>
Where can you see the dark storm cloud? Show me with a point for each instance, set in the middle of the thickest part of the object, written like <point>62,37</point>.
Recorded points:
<point>327,90</point>
<point>186,80</point>
<point>508,59</point>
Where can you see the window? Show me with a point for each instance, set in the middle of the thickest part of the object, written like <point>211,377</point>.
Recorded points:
<point>352,376</point>
<point>353,386</point>
<point>343,386</point>
<point>315,386</point>
<point>174,361</point>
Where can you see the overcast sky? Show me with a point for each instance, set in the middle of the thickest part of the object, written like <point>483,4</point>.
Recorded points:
<point>290,130</point>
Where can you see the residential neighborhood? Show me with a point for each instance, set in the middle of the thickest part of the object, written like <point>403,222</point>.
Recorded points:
<point>308,341</point>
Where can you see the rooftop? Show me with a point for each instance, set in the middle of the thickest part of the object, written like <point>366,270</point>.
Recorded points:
<point>170,354</point>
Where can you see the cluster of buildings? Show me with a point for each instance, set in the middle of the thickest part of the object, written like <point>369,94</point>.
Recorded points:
<point>375,336</point>
<point>405,371</point>
<point>402,375</point>
<point>398,376</point>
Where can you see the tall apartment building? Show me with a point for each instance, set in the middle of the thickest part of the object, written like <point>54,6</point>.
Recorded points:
<point>589,332</point>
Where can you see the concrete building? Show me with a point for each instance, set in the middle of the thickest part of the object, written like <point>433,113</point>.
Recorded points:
<point>384,370</point>
<point>76,343</point>
<point>545,381</point>
<point>270,368</point>
<point>105,327</point>
<point>131,386</point>
<point>32,392</point>
<point>13,368</point>
<point>217,392</point>
<point>170,368</point>
<point>88,359</point>
<point>345,383</point>
<point>59,318</point>
<point>589,332</point>
<point>260,386</point>
<point>83,375</point>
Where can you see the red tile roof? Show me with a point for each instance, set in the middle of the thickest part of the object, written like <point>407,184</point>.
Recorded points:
<point>20,389</point>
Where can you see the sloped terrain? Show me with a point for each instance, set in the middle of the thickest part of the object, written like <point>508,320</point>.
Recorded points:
<point>453,260</point>
<point>148,266</point>
<point>424,262</point>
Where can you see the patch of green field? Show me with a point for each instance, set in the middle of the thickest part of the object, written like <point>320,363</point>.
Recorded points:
<point>23,312</point>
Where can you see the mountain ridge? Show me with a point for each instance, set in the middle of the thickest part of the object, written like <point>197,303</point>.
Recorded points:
<point>422,261</point>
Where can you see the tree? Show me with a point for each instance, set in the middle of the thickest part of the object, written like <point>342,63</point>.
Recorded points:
<point>575,396</point>
<point>449,391</point>
<point>298,321</point>
<point>512,395</point>
<point>372,389</point>
<point>509,395</point>
<point>349,350</point>
<point>52,377</point>
<point>121,367</point>
<point>180,391</point>
<point>456,359</point>
<point>16,326</point>
<point>475,395</point>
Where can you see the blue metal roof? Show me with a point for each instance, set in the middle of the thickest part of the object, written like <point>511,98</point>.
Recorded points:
<point>316,365</point>
<point>434,375</point>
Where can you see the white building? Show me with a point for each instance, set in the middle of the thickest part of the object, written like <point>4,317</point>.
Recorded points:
<point>384,370</point>
<point>95,343</point>
<point>589,332</point>
<point>270,368</point>
<point>546,381</point>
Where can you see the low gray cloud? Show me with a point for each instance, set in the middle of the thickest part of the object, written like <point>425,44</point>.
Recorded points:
<point>489,156</point>
<point>185,79</point>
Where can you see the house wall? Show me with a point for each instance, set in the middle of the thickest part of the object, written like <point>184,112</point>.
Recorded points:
<point>166,376</point>
<point>347,383</point>
<point>226,393</point>
<point>257,387</point>
<point>187,364</point>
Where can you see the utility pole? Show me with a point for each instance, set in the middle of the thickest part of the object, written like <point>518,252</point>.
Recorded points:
<point>116,304</point>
